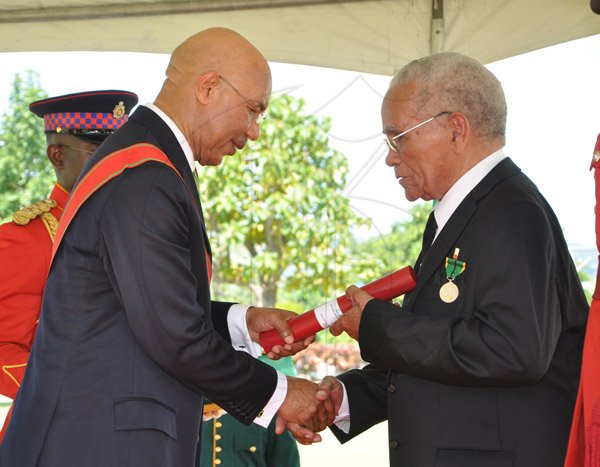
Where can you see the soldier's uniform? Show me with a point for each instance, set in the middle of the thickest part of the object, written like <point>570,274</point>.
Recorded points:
<point>26,241</point>
<point>228,443</point>
<point>25,250</point>
<point>584,440</point>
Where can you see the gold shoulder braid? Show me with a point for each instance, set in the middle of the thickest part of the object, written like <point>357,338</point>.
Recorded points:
<point>51,224</point>
<point>41,208</point>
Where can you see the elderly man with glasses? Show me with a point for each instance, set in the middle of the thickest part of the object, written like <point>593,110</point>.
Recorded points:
<point>479,366</point>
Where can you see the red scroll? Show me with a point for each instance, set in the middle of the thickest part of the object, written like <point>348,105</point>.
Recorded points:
<point>391,286</point>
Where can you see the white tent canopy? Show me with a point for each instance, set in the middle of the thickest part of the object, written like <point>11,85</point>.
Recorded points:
<point>369,36</point>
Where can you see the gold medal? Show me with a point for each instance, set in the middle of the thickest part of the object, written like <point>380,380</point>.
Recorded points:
<point>454,268</point>
<point>449,292</point>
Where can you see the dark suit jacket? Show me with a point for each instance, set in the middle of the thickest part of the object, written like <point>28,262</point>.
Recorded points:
<point>490,379</point>
<point>126,346</point>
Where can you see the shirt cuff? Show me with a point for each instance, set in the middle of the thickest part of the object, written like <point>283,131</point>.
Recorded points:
<point>342,421</point>
<point>269,411</point>
<point>238,331</point>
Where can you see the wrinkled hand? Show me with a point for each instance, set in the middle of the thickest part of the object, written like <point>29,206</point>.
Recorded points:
<point>329,388</point>
<point>350,321</point>
<point>306,407</point>
<point>264,319</point>
<point>332,388</point>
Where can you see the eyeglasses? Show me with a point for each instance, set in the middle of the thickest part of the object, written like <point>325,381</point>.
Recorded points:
<point>257,115</point>
<point>393,141</point>
<point>87,151</point>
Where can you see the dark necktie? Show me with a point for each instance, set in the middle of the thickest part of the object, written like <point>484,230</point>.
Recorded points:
<point>428,236</point>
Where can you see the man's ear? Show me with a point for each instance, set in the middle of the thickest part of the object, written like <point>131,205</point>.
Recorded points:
<point>55,155</point>
<point>460,129</point>
<point>206,85</point>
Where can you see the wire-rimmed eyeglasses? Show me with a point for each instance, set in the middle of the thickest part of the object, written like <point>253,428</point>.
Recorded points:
<point>257,115</point>
<point>87,151</point>
<point>393,141</point>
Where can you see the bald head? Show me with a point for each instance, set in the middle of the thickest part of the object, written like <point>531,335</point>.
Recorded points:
<point>217,84</point>
<point>217,49</point>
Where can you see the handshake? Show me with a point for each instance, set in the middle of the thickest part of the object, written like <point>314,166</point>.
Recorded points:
<point>309,408</point>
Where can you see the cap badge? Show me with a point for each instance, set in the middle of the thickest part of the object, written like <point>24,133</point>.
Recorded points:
<point>119,110</point>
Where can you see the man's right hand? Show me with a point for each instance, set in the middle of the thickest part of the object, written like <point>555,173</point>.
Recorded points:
<point>350,320</point>
<point>265,319</point>
<point>306,408</point>
<point>330,390</point>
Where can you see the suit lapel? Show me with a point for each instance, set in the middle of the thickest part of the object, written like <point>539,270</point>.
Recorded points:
<point>165,139</point>
<point>446,239</point>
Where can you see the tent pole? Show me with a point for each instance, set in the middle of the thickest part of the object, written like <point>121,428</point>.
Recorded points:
<point>438,27</point>
<point>143,8</point>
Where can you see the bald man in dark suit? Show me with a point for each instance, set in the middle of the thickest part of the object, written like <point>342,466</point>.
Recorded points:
<point>122,362</point>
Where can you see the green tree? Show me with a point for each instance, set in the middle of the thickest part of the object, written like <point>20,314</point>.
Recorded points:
<point>276,215</point>
<point>587,282</point>
<point>400,247</point>
<point>26,175</point>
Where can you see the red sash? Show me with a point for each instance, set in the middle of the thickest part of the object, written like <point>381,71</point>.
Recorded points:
<point>105,170</point>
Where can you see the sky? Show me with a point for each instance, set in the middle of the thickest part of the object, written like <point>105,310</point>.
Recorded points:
<point>553,118</point>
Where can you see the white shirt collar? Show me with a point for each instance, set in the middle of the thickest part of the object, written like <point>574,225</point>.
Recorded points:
<point>185,146</point>
<point>444,209</point>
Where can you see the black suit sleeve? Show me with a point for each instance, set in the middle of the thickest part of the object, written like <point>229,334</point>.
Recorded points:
<point>367,399</point>
<point>218,314</point>
<point>505,333</point>
<point>147,254</point>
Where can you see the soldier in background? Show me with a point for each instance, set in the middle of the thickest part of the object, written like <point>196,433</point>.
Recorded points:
<point>75,125</point>
<point>227,442</point>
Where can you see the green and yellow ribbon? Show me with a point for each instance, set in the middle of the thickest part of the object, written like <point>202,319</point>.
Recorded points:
<point>454,267</point>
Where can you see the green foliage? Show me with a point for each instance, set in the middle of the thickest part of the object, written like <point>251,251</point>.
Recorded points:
<point>276,213</point>
<point>374,258</point>
<point>587,282</point>
<point>400,247</point>
<point>26,175</point>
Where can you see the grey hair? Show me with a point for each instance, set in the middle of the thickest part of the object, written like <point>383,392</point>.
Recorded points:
<point>454,82</point>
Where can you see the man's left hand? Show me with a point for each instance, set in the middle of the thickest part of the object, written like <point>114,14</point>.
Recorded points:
<point>264,319</point>
<point>350,320</point>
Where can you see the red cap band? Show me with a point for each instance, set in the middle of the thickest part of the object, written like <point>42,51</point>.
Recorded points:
<point>82,121</point>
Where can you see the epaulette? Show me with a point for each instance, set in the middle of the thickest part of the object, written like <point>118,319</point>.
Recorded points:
<point>41,209</point>
<point>26,214</point>
<point>596,157</point>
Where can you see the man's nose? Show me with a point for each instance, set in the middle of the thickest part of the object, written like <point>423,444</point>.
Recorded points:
<point>392,158</point>
<point>253,131</point>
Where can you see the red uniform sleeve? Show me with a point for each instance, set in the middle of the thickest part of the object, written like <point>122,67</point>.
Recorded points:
<point>24,261</point>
